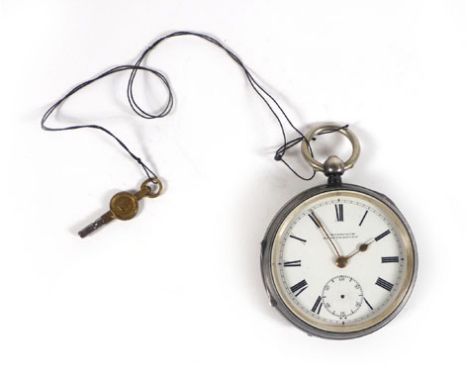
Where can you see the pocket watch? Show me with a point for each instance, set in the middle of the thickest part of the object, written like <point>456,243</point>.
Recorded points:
<point>339,260</point>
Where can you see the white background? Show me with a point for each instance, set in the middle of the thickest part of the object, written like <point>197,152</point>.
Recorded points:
<point>176,294</point>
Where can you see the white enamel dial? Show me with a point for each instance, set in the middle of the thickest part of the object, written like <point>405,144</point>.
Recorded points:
<point>342,261</point>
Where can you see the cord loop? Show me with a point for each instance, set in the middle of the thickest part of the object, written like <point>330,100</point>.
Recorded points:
<point>271,103</point>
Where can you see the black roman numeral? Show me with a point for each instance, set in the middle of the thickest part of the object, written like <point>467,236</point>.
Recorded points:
<point>294,263</point>
<point>365,214</point>
<point>367,303</point>
<point>314,219</point>
<point>298,238</point>
<point>382,235</point>
<point>384,284</point>
<point>300,287</point>
<point>339,212</point>
<point>390,259</point>
<point>317,305</point>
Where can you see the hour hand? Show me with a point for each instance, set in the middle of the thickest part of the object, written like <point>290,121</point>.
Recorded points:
<point>360,248</point>
<point>342,261</point>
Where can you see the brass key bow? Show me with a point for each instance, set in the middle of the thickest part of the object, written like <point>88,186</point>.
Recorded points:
<point>124,205</point>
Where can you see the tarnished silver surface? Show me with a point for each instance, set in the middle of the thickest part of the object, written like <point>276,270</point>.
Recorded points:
<point>266,255</point>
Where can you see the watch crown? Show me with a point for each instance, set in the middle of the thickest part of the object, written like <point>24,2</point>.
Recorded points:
<point>333,166</point>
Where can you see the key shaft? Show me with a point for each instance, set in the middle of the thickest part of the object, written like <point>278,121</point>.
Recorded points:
<point>98,223</point>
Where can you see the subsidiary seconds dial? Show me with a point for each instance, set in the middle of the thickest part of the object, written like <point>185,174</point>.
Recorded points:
<point>342,296</point>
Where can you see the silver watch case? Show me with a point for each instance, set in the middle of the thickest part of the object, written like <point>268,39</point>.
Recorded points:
<point>266,253</point>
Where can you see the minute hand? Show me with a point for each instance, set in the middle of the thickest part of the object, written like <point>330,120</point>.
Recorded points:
<point>320,225</point>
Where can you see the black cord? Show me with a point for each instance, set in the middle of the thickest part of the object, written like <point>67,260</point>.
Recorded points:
<point>259,90</point>
<point>148,171</point>
<point>267,98</point>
